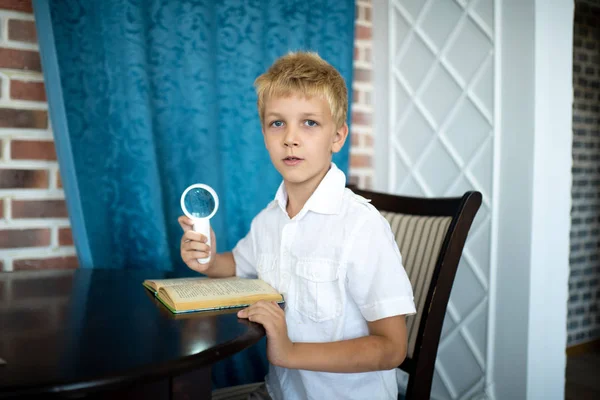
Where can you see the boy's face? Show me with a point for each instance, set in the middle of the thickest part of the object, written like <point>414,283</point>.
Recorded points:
<point>301,137</point>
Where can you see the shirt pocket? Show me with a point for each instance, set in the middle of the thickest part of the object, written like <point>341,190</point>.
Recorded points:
<point>266,268</point>
<point>318,293</point>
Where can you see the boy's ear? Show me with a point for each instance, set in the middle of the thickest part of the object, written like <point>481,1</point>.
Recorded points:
<point>340,138</point>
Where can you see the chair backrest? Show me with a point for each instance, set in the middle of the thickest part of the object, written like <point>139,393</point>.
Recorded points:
<point>431,233</point>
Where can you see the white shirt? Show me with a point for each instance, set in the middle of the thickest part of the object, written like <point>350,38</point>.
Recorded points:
<point>338,266</point>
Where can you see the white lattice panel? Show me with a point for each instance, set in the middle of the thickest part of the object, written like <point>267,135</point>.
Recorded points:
<point>441,111</point>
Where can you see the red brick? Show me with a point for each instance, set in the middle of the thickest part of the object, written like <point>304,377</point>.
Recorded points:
<point>23,179</point>
<point>58,180</point>
<point>2,286</point>
<point>20,59</point>
<point>361,97</point>
<point>65,237</point>
<point>17,238</point>
<point>22,31</point>
<point>39,209</point>
<point>14,118</point>
<point>355,139</point>
<point>356,54</point>
<point>1,209</point>
<point>69,262</point>
<point>32,91</point>
<point>17,5</point>
<point>361,118</point>
<point>368,14</point>
<point>32,150</point>
<point>362,32</point>
<point>360,160</point>
<point>362,75</point>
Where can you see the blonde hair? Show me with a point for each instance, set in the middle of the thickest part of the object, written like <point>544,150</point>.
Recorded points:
<point>304,73</point>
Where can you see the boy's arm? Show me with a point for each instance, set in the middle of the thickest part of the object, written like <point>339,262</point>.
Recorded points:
<point>384,348</point>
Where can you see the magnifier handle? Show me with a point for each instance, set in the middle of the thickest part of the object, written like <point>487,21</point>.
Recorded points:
<point>203,226</point>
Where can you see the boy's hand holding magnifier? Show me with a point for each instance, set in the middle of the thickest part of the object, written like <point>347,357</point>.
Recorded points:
<point>199,203</point>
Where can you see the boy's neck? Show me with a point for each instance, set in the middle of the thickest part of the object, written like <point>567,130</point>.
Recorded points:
<point>299,193</point>
<point>297,198</point>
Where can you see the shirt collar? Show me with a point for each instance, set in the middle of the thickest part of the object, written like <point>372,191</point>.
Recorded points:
<point>326,199</point>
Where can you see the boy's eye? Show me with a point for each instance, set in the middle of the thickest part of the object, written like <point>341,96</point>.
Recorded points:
<point>310,122</point>
<point>277,124</point>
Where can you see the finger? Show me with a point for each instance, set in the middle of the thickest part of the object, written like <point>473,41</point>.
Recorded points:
<point>194,255</point>
<point>195,246</point>
<point>266,320</point>
<point>196,266</point>
<point>185,223</point>
<point>264,310</point>
<point>253,313</point>
<point>194,236</point>
<point>277,308</point>
<point>244,313</point>
<point>271,307</point>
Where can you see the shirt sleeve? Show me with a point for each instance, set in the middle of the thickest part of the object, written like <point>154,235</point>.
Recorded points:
<point>377,281</point>
<point>244,254</point>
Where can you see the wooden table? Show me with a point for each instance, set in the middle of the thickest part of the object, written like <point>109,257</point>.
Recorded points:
<point>95,333</point>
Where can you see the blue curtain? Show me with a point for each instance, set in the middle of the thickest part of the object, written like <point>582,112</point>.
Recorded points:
<point>158,95</point>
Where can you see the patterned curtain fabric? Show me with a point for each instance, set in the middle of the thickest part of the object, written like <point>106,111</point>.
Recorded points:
<point>158,95</point>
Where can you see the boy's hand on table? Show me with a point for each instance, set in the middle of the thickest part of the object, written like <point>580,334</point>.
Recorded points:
<point>272,318</point>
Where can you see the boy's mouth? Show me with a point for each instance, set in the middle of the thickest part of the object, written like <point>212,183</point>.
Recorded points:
<point>292,160</point>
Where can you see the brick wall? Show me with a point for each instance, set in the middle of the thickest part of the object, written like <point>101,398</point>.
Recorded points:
<point>362,148</point>
<point>34,226</point>
<point>583,323</point>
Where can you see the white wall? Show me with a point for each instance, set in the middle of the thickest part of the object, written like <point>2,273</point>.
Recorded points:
<point>477,95</point>
<point>535,181</point>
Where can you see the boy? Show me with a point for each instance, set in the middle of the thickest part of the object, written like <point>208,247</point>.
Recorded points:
<point>328,251</point>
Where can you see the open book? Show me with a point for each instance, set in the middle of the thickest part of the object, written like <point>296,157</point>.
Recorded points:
<point>182,295</point>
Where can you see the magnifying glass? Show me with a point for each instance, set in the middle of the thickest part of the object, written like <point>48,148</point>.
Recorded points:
<point>200,202</point>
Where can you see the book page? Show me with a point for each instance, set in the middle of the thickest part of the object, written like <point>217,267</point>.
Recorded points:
<point>173,282</point>
<point>218,288</point>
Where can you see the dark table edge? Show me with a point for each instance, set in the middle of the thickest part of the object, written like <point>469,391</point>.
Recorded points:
<point>148,373</point>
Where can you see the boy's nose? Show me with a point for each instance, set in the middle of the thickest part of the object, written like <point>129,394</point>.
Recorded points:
<point>290,139</point>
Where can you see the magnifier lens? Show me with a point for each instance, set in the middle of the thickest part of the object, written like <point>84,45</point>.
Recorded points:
<point>199,202</point>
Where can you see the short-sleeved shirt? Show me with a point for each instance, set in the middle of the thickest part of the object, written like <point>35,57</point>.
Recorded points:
<point>338,266</point>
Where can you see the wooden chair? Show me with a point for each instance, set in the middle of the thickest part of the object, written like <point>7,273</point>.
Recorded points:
<point>431,234</point>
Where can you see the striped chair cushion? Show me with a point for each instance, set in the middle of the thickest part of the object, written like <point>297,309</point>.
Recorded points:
<point>419,239</point>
